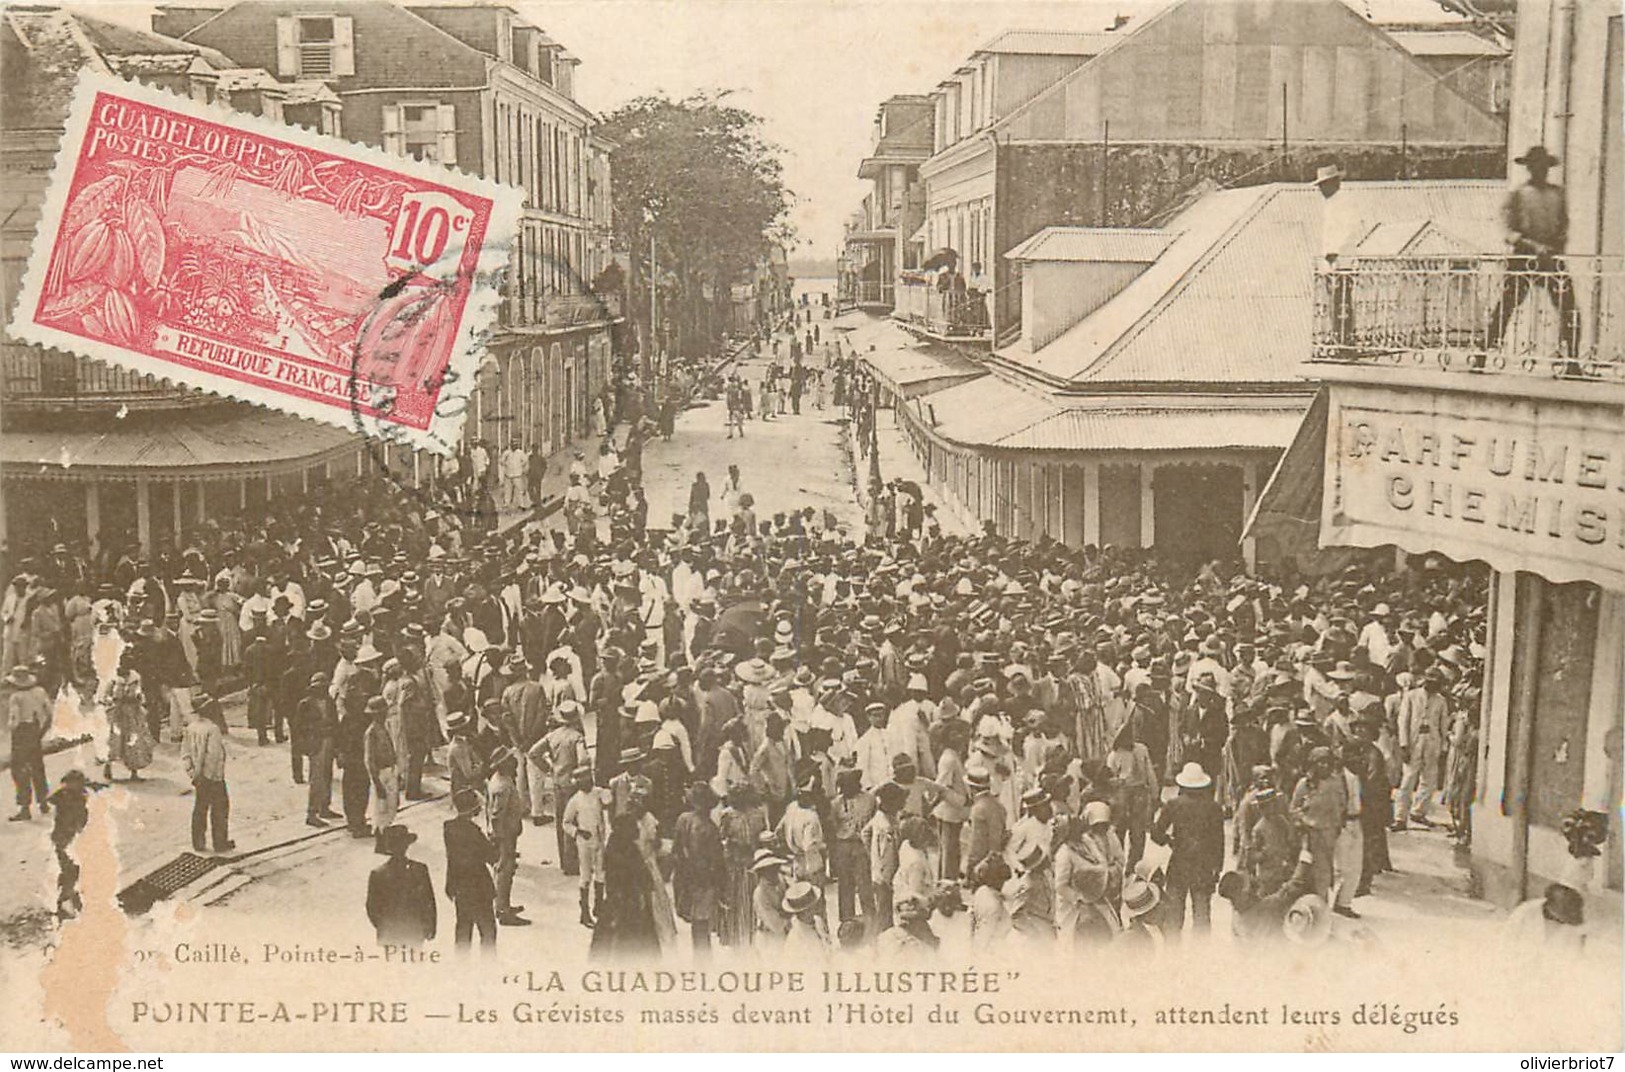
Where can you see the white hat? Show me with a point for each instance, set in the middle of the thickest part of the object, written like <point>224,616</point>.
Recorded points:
<point>917,681</point>
<point>1193,777</point>
<point>1096,812</point>
<point>1382,610</point>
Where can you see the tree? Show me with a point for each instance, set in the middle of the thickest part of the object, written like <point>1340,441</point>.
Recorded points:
<point>697,175</point>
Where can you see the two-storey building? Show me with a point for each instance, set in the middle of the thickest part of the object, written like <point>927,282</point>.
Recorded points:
<point>882,240</point>
<point>481,89</point>
<point>95,455</point>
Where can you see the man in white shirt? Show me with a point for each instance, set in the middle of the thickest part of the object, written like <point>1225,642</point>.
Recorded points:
<point>1375,637</point>
<point>515,468</point>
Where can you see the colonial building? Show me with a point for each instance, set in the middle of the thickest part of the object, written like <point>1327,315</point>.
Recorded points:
<point>881,240</point>
<point>1435,436</point>
<point>1124,128</point>
<point>99,455</point>
<point>1156,381</point>
<point>481,89</point>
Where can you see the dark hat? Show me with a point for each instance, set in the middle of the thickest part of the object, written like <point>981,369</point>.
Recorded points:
<point>1537,156</point>
<point>395,839</point>
<point>466,801</point>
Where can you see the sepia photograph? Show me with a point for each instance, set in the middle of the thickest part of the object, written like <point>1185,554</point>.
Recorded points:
<point>979,526</point>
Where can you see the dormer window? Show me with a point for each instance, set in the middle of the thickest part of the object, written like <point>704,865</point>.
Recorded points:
<point>315,46</point>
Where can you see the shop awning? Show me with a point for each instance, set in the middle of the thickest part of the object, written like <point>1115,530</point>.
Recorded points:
<point>1288,509</point>
<point>997,413</point>
<point>911,371</point>
<point>179,445</point>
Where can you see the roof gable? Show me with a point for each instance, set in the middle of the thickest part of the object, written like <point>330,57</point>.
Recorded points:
<point>1212,70</point>
<point>1230,301</point>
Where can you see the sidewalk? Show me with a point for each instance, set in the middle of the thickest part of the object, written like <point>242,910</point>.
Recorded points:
<point>152,816</point>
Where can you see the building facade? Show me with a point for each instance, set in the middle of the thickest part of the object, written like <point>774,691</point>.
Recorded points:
<point>882,239</point>
<point>1156,381</point>
<point>101,457</point>
<point>480,89</point>
<point>1125,128</point>
<point>1438,437</point>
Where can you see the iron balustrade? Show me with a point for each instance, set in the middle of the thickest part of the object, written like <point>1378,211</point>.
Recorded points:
<point>1560,317</point>
<point>941,313</point>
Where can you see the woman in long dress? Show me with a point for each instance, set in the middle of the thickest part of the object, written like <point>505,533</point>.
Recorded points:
<point>128,739</point>
<point>229,605</point>
<point>741,821</point>
<point>626,924</point>
<point>648,841</point>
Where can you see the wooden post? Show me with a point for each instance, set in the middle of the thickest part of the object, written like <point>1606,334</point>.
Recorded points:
<point>93,515</point>
<point>143,516</point>
<point>1091,503</point>
<point>1249,498</point>
<point>1148,504</point>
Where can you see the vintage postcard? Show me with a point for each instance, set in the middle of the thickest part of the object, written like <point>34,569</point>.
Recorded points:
<point>825,525</point>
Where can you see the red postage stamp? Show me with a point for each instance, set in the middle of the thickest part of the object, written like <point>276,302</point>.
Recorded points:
<point>267,263</point>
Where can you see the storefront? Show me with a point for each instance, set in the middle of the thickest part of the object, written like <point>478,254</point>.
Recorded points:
<point>1527,474</point>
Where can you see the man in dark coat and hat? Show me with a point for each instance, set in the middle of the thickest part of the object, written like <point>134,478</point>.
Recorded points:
<point>400,896</point>
<point>469,885</point>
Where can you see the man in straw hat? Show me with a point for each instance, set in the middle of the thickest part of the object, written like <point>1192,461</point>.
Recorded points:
<point>469,856</point>
<point>1192,826</point>
<point>585,826</point>
<point>382,760</point>
<point>28,713</point>
<point>507,818</point>
<point>203,755</point>
<point>1536,215</point>
<point>400,895</point>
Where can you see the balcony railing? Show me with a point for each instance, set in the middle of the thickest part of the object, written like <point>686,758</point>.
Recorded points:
<point>945,314</point>
<point>34,378</point>
<point>876,292</point>
<point>1562,318</point>
<point>558,311</point>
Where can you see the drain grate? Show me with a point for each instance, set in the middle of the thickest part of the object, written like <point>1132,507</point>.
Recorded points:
<point>165,882</point>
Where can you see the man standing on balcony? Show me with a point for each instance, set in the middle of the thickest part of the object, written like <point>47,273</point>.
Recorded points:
<point>1340,229</point>
<point>1537,222</point>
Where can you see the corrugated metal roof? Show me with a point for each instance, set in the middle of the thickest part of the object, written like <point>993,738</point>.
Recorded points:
<point>1052,43</point>
<point>1230,300</point>
<point>917,364</point>
<point>998,413</point>
<point>234,437</point>
<point>1138,428</point>
<point>1445,43</point>
<point>1406,13</point>
<point>1119,244</point>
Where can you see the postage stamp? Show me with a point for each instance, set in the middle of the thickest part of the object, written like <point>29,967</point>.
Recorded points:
<point>267,263</point>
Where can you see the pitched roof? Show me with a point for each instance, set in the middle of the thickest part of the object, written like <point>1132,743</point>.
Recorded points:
<point>1230,301</point>
<point>998,412</point>
<point>238,438</point>
<point>56,45</point>
<point>1120,244</point>
<point>1051,43</point>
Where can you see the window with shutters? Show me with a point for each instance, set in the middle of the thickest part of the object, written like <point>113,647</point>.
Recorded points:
<point>422,130</point>
<point>315,46</point>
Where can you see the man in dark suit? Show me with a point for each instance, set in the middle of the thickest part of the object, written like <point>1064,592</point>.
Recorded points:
<point>400,896</point>
<point>469,856</point>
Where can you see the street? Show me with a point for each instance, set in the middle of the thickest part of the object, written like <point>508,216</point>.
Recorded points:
<point>288,872</point>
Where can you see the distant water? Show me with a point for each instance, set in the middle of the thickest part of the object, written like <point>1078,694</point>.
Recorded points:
<point>814,287</point>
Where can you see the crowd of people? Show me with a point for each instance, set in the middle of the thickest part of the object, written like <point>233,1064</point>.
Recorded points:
<point>789,736</point>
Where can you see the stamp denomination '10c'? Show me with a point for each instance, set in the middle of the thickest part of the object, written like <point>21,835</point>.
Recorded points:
<point>266,263</point>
